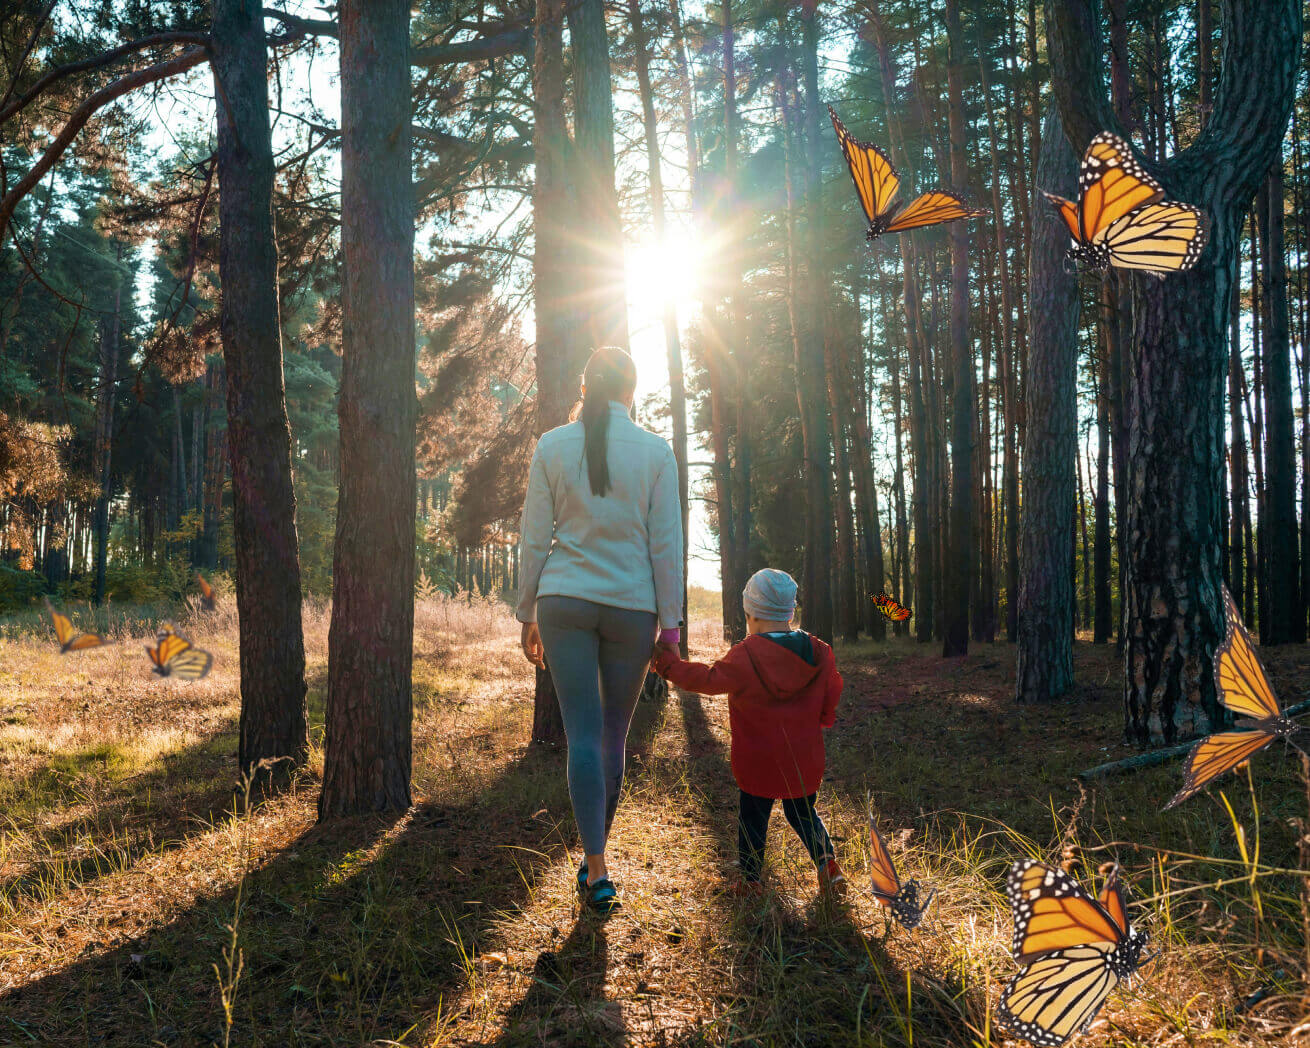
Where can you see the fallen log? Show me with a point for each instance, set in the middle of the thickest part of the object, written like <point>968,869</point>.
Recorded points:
<point>1155,757</point>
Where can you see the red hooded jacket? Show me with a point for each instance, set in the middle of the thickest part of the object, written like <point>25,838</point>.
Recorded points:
<point>778,706</point>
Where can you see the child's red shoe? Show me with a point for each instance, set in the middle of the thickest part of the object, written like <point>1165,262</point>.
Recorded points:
<point>832,881</point>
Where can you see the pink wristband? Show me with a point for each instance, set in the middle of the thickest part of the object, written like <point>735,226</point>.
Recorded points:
<point>671,636</point>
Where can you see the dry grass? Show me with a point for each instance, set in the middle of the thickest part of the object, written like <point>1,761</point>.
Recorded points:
<point>123,868</point>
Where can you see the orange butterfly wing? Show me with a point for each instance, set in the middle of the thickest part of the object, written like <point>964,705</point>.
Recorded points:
<point>206,592</point>
<point>875,178</point>
<point>1215,755</point>
<point>1068,211</point>
<point>1111,898</point>
<point>1052,912</point>
<point>891,609</point>
<point>63,627</point>
<point>882,871</point>
<point>931,208</point>
<point>1239,677</point>
<point>69,638</point>
<point>1111,183</point>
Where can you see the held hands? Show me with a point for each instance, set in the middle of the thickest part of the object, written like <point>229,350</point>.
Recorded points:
<point>530,641</point>
<point>662,656</point>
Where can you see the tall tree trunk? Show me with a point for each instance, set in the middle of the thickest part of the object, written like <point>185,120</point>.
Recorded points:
<point>1286,624</point>
<point>964,406</point>
<point>272,647</point>
<point>901,587</point>
<point>1240,526</point>
<point>721,469</point>
<point>110,346</point>
<point>371,640</point>
<point>215,469</point>
<point>1085,572</point>
<point>847,616</point>
<point>672,348</point>
<point>1174,618</point>
<point>561,354</point>
<point>1102,619</point>
<point>1046,600</point>
<point>733,340</point>
<point>920,444</point>
<point>603,303</point>
<point>866,491</point>
<point>812,402</point>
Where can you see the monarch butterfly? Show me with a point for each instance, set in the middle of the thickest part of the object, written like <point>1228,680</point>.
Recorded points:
<point>1076,949</point>
<point>1122,218</point>
<point>889,607</point>
<point>1244,688</point>
<point>69,639</point>
<point>876,183</point>
<point>901,899</point>
<point>175,656</point>
<point>207,600</point>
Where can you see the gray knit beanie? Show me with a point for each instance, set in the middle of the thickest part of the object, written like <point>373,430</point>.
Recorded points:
<point>770,595</point>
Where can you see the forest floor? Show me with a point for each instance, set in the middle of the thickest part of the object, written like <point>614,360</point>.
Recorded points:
<point>126,869</point>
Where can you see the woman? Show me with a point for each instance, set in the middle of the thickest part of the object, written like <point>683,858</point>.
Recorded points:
<point>601,570</point>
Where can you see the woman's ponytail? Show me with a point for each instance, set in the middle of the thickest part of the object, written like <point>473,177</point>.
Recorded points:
<point>609,375</point>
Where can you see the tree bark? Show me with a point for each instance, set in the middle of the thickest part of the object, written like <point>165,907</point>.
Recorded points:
<point>371,639</point>
<point>1046,599</point>
<point>272,651</point>
<point>1174,618</point>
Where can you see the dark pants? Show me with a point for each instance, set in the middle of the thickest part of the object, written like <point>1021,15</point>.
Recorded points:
<point>753,830</point>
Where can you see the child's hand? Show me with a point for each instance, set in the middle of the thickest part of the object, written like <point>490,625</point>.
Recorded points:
<point>660,658</point>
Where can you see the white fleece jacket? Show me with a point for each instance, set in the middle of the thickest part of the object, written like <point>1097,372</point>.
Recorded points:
<point>624,548</point>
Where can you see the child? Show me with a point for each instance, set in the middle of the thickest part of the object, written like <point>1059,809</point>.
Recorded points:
<point>783,687</point>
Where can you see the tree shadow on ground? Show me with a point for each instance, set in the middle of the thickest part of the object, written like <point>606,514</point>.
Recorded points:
<point>154,811</point>
<point>354,930</point>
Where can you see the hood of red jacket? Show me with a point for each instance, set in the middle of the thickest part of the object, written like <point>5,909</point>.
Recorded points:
<point>783,673</point>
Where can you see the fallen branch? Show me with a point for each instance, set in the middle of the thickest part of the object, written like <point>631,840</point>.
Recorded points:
<point>1155,757</point>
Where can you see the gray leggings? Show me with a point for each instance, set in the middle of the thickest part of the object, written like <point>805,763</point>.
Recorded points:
<point>598,656</point>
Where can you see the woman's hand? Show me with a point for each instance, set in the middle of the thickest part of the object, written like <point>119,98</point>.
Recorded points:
<point>533,650</point>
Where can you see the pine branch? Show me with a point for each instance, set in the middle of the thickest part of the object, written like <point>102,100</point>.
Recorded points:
<point>149,75</point>
<point>96,62</point>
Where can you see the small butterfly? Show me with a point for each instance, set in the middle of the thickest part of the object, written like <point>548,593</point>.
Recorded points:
<point>69,638</point>
<point>890,608</point>
<point>1076,949</point>
<point>175,656</point>
<point>207,600</point>
<point>1122,219</point>
<point>901,899</point>
<point>1244,688</point>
